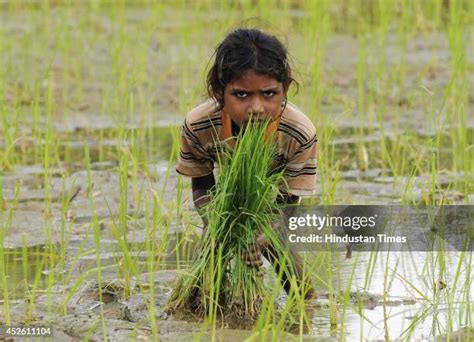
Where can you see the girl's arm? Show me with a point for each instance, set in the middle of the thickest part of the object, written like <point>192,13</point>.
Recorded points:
<point>285,198</point>
<point>201,187</point>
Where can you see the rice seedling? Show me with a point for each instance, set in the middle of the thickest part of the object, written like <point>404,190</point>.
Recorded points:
<point>242,206</point>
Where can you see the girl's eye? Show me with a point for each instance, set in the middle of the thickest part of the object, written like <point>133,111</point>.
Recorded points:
<point>269,93</point>
<point>241,94</point>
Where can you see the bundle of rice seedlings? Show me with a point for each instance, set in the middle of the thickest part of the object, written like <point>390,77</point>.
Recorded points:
<point>242,206</point>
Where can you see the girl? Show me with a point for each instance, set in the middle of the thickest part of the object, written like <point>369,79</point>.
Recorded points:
<point>250,77</point>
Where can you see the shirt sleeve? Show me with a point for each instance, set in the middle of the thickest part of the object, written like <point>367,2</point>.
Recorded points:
<point>300,171</point>
<point>194,160</point>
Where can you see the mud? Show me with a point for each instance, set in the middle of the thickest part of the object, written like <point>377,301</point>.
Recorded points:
<point>426,61</point>
<point>29,214</point>
<point>128,317</point>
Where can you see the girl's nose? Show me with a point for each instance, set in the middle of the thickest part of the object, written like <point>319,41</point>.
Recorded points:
<point>256,106</point>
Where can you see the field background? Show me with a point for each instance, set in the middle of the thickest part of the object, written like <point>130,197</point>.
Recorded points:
<point>92,96</point>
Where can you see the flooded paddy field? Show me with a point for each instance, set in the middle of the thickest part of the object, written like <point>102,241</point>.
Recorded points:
<point>96,226</point>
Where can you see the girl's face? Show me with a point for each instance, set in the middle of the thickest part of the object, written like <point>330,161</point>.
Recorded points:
<point>253,94</point>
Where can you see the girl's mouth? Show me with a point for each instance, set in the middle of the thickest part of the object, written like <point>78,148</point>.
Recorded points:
<point>255,123</point>
<point>258,120</point>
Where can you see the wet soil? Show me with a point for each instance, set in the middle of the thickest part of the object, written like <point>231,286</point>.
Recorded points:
<point>128,317</point>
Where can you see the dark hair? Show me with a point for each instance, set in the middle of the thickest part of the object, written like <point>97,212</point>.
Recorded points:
<point>247,49</point>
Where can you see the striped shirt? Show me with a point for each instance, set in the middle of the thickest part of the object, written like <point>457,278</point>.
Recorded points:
<point>203,133</point>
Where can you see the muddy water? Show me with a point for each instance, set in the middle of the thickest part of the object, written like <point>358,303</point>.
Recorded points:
<point>407,302</point>
<point>71,233</point>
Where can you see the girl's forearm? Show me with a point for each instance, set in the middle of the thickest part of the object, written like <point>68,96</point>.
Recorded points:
<point>285,198</point>
<point>201,187</point>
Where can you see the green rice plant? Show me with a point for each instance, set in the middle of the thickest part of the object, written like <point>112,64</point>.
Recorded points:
<point>3,272</point>
<point>151,244</point>
<point>242,205</point>
<point>346,297</point>
<point>96,231</point>
<point>66,198</point>
<point>329,167</point>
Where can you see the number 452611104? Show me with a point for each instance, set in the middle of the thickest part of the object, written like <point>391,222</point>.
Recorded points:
<point>10,331</point>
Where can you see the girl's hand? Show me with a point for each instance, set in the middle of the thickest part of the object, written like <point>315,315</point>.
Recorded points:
<point>253,255</point>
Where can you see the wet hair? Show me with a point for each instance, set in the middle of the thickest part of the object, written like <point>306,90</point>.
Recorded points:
<point>247,50</point>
